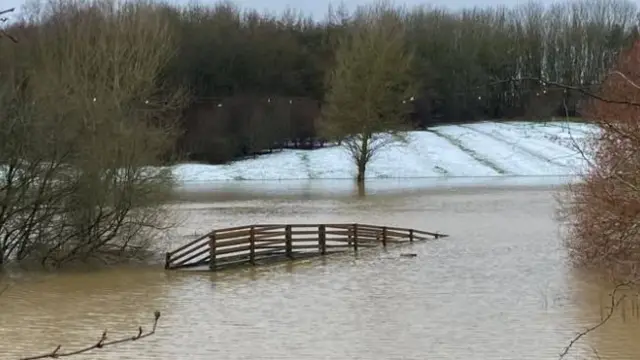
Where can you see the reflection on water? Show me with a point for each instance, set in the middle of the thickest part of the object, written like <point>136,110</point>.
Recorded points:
<point>498,288</point>
<point>322,189</point>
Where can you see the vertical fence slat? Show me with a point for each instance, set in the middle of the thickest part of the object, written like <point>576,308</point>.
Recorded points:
<point>322,239</point>
<point>410,235</point>
<point>212,251</point>
<point>384,236</point>
<point>167,260</point>
<point>252,245</point>
<point>355,237</point>
<point>288,238</point>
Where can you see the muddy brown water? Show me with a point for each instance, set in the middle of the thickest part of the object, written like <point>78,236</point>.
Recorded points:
<point>498,288</point>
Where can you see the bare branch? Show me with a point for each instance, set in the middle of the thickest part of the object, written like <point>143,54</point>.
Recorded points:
<point>2,12</point>
<point>100,344</point>
<point>579,89</point>
<point>614,304</point>
<point>596,353</point>
<point>5,34</point>
<point>626,79</point>
<point>3,20</point>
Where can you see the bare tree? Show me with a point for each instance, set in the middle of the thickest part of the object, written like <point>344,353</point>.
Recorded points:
<point>368,89</point>
<point>28,168</point>
<point>83,116</point>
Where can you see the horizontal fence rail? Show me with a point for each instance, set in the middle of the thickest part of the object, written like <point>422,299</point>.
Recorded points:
<point>253,244</point>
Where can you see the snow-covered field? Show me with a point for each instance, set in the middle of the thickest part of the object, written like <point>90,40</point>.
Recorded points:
<point>475,150</point>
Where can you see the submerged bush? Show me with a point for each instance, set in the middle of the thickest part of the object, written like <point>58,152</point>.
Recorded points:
<point>83,112</point>
<point>603,211</point>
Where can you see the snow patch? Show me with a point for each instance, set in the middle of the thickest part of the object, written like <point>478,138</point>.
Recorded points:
<point>479,150</point>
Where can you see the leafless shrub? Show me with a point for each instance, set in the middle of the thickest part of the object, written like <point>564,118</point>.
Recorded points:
<point>602,211</point>
<point>83,115</point>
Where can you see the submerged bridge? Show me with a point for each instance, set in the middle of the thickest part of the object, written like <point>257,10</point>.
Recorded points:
<point>258,244</point>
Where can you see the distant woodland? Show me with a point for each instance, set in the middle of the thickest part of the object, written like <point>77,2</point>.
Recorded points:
<point>254,82</point>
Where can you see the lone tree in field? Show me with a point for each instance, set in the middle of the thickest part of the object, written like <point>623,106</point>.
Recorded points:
<point>604,209</point>
<point>370,88</point>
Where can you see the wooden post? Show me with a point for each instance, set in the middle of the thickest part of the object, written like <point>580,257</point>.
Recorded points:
<point>322,239</point>
<point>212,252</point>
<point>410,235</point>
<point>288,245</point>
<point>384,236</point>
<point>355,237</point>
<point>252,245</point>
<point>167,260</point>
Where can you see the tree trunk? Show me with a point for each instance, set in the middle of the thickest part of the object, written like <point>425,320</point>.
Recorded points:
<point>362,168</point>
<point>363,157</point>
<point>361,189</point>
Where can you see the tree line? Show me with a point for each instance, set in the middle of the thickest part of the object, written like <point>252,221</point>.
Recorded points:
<point>271,70</point>
<point>256,81</point>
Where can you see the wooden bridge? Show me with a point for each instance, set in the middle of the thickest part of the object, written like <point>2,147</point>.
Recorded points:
<point>256,244</point>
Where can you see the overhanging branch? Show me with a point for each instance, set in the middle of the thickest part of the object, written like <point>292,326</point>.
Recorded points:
<point>100,344</point>
<point>3,20</point>
<point>579,89</point>
<point>2,12</point>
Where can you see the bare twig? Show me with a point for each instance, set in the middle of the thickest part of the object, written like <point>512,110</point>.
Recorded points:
<point>101,343</point>
<point>626,79</point>
<point>614,304</point>
<point>2,12</point>
<point>5,34</point>
<point>4,19</point>
<point>578,89</point>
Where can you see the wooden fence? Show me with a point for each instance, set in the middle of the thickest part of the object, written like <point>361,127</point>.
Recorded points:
<point>254,244</point>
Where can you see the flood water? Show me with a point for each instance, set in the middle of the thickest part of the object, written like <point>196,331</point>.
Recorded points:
<point>498,288</point>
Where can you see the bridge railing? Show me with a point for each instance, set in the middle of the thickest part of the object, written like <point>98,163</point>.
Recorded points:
<point>253,243</point>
